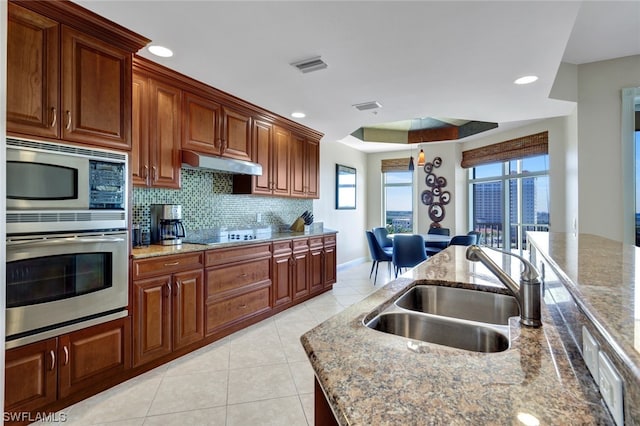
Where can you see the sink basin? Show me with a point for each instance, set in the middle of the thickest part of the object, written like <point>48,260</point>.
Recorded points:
<point>460,303</point>
<point>442,331</point>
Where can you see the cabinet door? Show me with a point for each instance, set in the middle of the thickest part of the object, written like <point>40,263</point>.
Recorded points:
<point>312,155</point>
<point>96,91</point>
<point>300,274</point>
<point>33,66</point>
<point>281,161</point>
<point>262,141</point>
<point>298,168</point>
<point>140,131</point>
<point>316,274</point>
<point>91,356</point>
<point>188,308</point>
<point>201,126</point>
<point>329,265</point>
<point>30,376</point>
<point>164,134</point>
<point>281,280</point>
<point>236,138</point>
<point>151,319</point>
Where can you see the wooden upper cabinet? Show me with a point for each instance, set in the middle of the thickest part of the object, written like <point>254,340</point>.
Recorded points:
<point>140,159</point>
<point>281,161</point>
<point>164,134</point>
<point>305,156</point>
<point>96,91</point>
<point>33,58</point>
<point>69,74</point>
<point>236,135</point>
<point>262,136</point>
<point>201,127</point>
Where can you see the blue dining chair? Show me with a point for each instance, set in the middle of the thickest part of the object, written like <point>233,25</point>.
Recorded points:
<point>477,234</point>
<point>439,231</point>
<point>463,240</point>
<point>377,255</point>
<point>385,242</point>
<point>408,251</point>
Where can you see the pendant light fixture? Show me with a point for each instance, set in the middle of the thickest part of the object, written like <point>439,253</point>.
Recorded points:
<point>411,167</point>
<point>421,158</point>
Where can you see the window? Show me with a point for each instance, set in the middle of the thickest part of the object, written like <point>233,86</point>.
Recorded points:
<point>509,198</point>
<point>398,200</point>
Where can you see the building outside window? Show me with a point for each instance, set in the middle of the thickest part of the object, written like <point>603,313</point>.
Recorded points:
<point>509,198</point>
<point>397,201</point>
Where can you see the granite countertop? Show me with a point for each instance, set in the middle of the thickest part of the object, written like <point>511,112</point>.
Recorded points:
<point>602,276</point>
<point>154,250</point>
<point>371,377</point>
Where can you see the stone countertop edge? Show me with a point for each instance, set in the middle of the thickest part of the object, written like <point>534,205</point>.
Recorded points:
<point>370,377</point>
<point>155,250</point>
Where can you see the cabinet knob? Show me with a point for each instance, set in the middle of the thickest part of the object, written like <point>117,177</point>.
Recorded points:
<point>153,172</point>
<point>145,172</point>
<point>54,119</point>
<point>68,126</point>
<point>169,287</point>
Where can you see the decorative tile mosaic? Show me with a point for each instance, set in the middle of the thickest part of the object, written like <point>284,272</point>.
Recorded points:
<point>207,202</point>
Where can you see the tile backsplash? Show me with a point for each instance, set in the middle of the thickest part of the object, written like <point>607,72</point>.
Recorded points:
<point>207,202</point>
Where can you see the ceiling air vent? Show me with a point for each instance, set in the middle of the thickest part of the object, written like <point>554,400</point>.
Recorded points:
<point>366,106</point>
<point>311,64</point>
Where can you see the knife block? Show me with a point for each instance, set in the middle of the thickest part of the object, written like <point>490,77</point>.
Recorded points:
<point>297,225</point>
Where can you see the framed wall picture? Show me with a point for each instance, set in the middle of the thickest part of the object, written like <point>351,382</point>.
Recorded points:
<point>345,187</point>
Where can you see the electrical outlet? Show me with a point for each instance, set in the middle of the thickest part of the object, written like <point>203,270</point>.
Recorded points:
<point>611,388</point>
<point>590,350</point>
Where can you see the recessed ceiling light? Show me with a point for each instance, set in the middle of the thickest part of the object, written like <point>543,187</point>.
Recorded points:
<point>161,51</point>
<point>298,114</point>
<point>526,79</point>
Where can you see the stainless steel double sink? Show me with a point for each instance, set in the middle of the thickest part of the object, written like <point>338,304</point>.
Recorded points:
<point>460,318</point>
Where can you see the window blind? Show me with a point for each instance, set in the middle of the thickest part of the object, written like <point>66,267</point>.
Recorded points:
<point>526,146</point>
<point>395,165</point>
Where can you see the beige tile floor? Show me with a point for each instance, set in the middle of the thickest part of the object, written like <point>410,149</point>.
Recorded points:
<point>257,376</point>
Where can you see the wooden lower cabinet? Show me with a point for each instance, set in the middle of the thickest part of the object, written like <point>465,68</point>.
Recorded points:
<point>300,268</point>
<point>281,273</point>
<point>316,265</point>
<point>41,373</point>
<point>168,307</point>
<point>329,268</point>
<point>238,285</point>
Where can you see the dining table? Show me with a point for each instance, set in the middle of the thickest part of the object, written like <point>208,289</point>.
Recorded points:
<point>429,238</point>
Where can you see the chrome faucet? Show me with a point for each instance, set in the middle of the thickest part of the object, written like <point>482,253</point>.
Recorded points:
<point>527,293</point>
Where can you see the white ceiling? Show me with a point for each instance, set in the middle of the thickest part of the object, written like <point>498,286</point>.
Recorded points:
<point>418,58</point>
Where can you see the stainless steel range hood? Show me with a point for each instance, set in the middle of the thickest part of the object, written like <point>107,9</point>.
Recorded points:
<point>199,161</point>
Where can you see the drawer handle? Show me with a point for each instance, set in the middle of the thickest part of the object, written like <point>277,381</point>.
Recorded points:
<point>172,263</point>
<point>53,360</point>
<point>66,355</point>
<point>68,126</point>
<point>243,275</point>
<point>55,116</point>
<point>243,306</point>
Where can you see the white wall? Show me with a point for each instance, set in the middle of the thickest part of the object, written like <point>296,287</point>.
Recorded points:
<point>3,206</point>
<point>350,224</point>
<point>599,147</point>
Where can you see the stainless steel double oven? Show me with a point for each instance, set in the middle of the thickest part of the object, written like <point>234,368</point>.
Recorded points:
<point>67,241</point>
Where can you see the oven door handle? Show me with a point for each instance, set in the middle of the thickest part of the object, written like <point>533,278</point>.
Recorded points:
<point>61,241</point>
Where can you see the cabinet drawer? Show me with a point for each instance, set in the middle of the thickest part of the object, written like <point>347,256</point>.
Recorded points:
<point>282,247</point>
<point>237,276</point>
<point>155,266</point>
<point>316,242</point>
<point>329,240</point>
<point>226,312</point>
<point>301,245</point>
<point>237,254</point>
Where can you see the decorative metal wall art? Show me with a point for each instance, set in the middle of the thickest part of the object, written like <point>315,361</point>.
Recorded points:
<point>434,196</point>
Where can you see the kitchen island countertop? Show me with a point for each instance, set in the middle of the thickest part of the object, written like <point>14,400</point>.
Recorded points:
<point>369,377</point>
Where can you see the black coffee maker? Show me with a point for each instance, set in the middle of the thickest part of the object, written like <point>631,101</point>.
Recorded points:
<point>166,224</point>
